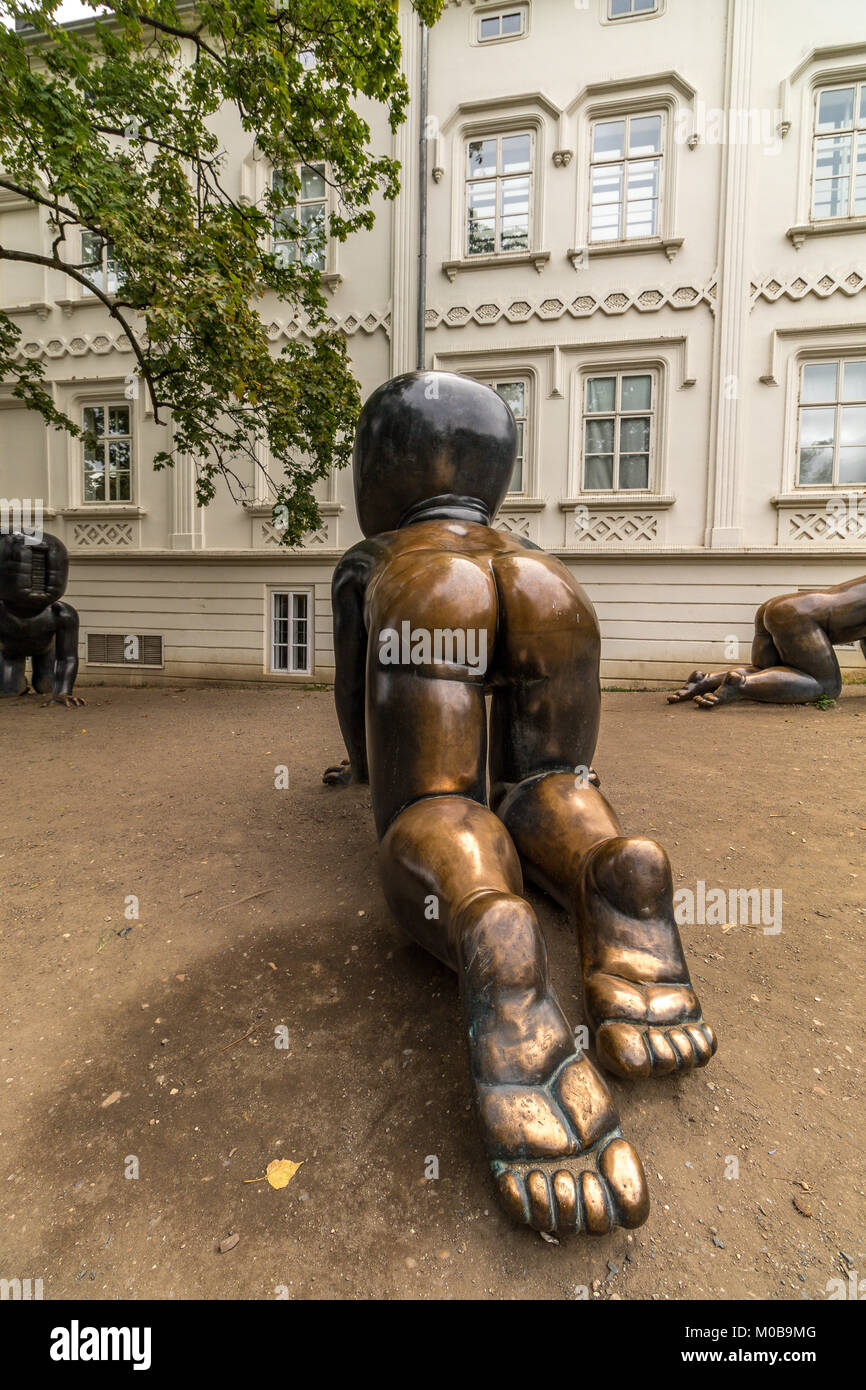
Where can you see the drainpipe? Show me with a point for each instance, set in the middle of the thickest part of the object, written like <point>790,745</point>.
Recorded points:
<point>422,203</point>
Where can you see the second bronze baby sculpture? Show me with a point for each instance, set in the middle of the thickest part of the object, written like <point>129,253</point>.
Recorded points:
<point>433,612</point>
<point>793,661</point>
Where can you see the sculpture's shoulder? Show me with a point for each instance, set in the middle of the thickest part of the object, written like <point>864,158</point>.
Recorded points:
<point>357,565</point>
<point>63,612</point>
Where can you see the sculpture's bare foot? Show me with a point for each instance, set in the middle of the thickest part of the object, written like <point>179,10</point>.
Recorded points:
<point>547,1119</point>
<point>638,994</point>
<point>733,687</point>
<point>339,776</point>
<point>695,685</point>
<point>68,701</point>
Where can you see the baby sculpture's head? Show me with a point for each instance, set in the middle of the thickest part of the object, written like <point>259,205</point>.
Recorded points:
<point>33,573</point>
<point>431,437</point>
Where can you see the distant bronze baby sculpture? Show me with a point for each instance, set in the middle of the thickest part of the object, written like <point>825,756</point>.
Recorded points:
<point>432,612</point>
<point>793,661</point>
<point>33,621</point>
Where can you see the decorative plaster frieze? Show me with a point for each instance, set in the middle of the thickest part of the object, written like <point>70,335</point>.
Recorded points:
<point>615,527</point>
<point>582,306</point>
<point>100,344</point>
<point>773,287</point>
<point>102,535</point>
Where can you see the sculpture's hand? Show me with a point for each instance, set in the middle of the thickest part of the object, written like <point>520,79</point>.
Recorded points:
<point>341,776</point>
<point>68,701</point>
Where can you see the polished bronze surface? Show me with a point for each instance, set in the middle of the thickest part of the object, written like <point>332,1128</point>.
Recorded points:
<point>432,617</point>
<point>33,621</point>
<point>793,661</point>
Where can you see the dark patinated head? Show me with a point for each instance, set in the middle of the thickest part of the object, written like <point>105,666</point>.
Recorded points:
<point>431,435</point>
<point>33,572</point>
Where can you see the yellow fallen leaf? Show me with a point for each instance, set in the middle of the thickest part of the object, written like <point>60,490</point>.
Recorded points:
<point>281,1171</point>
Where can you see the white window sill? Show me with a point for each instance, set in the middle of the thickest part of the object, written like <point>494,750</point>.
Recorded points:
<point>262,507</point>
<point>83,301</point>
<point>104,509</point>
<point>516,502</point>
<point>579,255</point>
<point>538,259</point>
<point>826,226</point>
<point>820,494</point>
<point>627,501</point>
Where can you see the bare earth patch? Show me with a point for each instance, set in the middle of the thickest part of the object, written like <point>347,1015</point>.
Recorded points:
<point>260,907</point>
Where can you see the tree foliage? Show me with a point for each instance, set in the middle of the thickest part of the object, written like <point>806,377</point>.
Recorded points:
<point>109,128</point>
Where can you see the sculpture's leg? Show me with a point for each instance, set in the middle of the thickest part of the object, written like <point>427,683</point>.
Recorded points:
<point>543,720</point>
<point>806,668</point>
<point>764,655</point>
<point>637,991</point>
<point>13,675</point>
<point>548,1122</point>
<point>700,683</point>
<point>43,671</point>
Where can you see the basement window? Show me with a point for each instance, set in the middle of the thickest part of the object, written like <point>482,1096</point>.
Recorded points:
<point>123,649</point>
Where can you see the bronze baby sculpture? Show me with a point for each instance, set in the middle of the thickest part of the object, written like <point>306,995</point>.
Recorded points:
<point>433,612</point>
<point>33,621</point>
<point>793,661</point>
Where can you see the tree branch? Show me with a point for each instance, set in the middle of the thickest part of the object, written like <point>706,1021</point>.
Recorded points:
<point>54,263</point>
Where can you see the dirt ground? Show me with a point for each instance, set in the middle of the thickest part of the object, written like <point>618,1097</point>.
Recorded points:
<point>123,1039</point>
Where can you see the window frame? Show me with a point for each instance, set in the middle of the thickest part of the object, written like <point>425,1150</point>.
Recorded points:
<point>107,265</point>
<point>857,130</point>
<point>290,592</point>
<point>637,112</point>
<point>839,360</point>
<point>526,379</point>
<point>504,133</point>
<point>590,372</point>
<point>493,11</point>
<point>107,403</point>
<point>325,201</point>
<point>632,14</point>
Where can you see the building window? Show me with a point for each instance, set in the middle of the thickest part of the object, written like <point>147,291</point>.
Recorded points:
<point>107,453</point>
<point>625,179</point>
<point>626,9</point>
<point>291,645</point>
<point>618,431</point>
<point>839,158</point>
<point>832,424</point>
<point>498,179</point>
<point>300,232</point>
<point>98,264</point>
<point>515,393</point>
<point>505,24</point>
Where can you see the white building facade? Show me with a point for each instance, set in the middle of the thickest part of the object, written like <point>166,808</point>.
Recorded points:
<point>646,227</point>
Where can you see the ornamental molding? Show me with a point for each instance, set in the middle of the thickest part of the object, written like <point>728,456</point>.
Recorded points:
<point>800,286</point>
<point>102,535</point>
<point>100,344</point>
<point>611,528</point>
<point>551,307</point>
<point>814,339</point>
<point>831,57</point>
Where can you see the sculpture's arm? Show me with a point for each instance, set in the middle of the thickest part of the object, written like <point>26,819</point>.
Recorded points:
<point>348,588</point>
<point>592,776</point>
<point>65,652</point>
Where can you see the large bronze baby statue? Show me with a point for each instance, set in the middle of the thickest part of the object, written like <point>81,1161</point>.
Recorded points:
<point>432,612</point>
<point>33,621</point>
<point>793,661</point>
